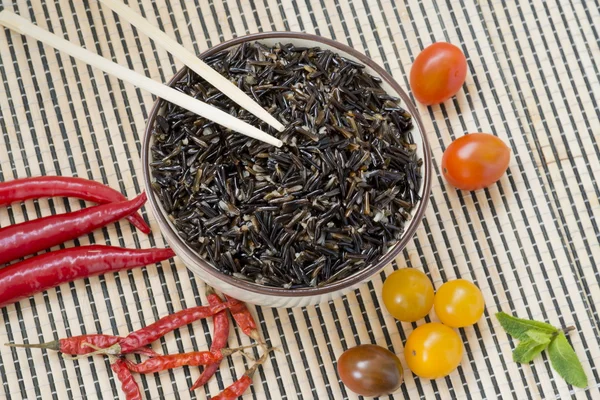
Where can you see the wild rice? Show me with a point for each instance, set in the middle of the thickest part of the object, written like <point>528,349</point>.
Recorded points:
<point>327,204</point>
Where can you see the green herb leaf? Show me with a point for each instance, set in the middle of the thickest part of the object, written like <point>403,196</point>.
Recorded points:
<point>536,336</point>
<point>565,361</point>
<point>518,328</point>
<point>540,337</point>
<point>527,349</point>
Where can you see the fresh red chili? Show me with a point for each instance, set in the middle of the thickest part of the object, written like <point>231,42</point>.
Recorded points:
<point>152,332</point>
<point>220,336</point>
<point>47,270</point>
<point>170,361</point>
<point>128,384</point>
<point>79,345</point>
<point>244,318</point>
<point>32,236</point>
<point>65,186</point>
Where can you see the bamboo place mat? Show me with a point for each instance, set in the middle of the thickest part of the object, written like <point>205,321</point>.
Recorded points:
<point>531,242</point>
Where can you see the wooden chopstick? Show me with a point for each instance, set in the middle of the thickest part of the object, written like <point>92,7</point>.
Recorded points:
<point>24,27</point>
<point>193,62</point>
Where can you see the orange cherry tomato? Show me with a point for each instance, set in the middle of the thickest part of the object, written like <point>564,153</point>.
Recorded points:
<point>438,73</point>
<point>459,303</point>
<point>433,350</point>
<point>475,161</point>
<point>408,294</point>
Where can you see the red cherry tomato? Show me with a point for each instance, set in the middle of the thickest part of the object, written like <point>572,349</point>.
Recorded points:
<point>370,370</point>
<point>438,73</point>
<point>475,161</point>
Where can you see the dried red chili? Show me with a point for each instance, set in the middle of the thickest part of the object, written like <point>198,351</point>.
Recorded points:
<point>237,388</point>
<point>219,340</point>
<point>65,186</point>
<point>47,270</point>
<point>128,385</point>
<point>192,359</point>
<point>75,345</point>
<point>244,318</point>
<point>32,236</point>
<point>79,345</point>
<point>158,329</point>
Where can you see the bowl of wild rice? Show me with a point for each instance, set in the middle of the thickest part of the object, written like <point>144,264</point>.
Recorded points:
<point>307,222</point>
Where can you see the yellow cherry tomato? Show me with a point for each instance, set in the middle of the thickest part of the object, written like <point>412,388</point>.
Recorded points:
<point>459,303</point>
<point>408,294</point>
<point>433,350</point>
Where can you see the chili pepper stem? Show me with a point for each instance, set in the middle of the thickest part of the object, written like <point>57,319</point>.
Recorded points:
<point>228,352</point>
<point>256,336</point>
<point>209,290</point>
<point>247,356</point>
<point>112,359</point>
<point>54,345</point>
<point>111,352</point>
<point>250,372</point>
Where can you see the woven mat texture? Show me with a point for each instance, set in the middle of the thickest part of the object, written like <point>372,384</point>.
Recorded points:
<point>531,242</point>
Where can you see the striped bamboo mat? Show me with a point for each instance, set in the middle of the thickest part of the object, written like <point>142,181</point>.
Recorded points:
<point>531,242</point>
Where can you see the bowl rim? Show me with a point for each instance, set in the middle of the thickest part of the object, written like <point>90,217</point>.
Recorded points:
<point>346,283</point>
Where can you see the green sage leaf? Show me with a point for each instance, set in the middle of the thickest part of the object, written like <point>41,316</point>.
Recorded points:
<point>565,361</point>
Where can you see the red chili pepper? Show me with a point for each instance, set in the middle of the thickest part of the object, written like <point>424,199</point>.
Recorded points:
<point>237,388</point>
<point>78,345</point>
<point>220,336</point>
<point>146,351</point>
<point>244,318</point>
<point>64,186</point>
<point>47,270</point>
<point>192,359</point>
<point>128,384</point>
<point>75,345</point>
<point>32,236</point>
<point>152,332</point>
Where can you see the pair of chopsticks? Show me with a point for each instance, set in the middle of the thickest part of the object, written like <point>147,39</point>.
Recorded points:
<point>24,27</point>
